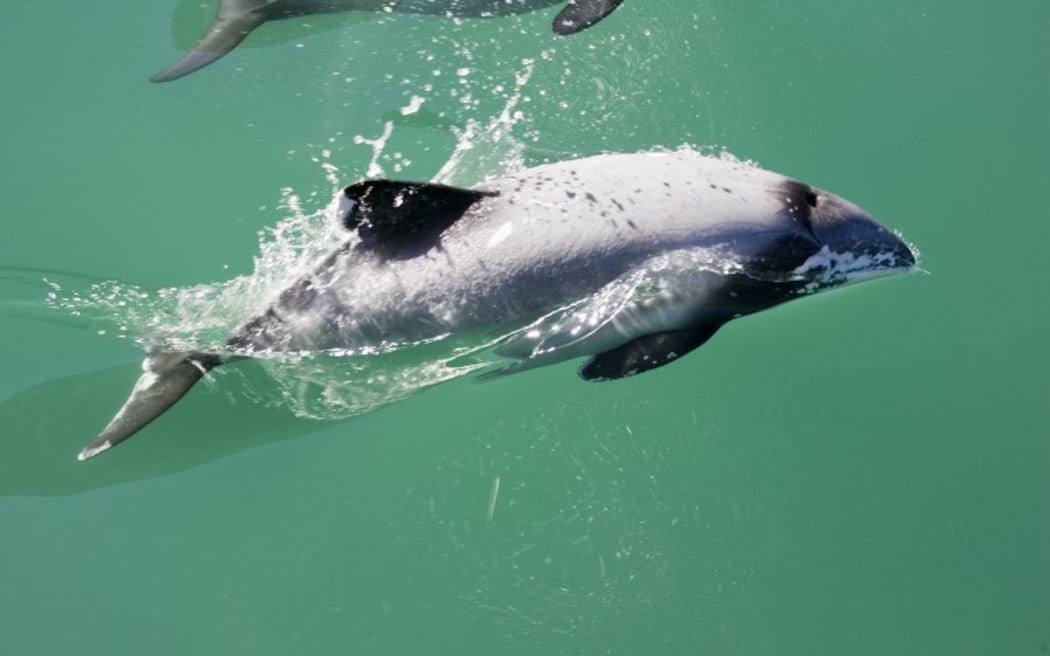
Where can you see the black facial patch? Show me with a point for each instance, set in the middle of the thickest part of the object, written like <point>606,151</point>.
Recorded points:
<point>799,202</point>
<point>401,220</point>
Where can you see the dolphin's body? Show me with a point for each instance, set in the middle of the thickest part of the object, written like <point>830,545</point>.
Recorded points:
<point>631,259</point>
<point>235,19</point>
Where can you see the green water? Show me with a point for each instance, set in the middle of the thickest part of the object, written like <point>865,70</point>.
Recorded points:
<point>863,472</point>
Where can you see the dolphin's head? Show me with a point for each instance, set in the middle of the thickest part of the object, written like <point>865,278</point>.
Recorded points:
<point>849,244</point>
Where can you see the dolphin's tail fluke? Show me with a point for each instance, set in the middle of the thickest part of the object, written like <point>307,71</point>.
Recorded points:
<point>166,377</point>
<point>234,21</point>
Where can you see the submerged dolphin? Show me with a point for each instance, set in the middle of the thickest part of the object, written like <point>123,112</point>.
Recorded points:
<point>235,19</point>
<point>631,259</point>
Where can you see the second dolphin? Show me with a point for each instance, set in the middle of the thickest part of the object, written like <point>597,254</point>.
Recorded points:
<point>235,19</point>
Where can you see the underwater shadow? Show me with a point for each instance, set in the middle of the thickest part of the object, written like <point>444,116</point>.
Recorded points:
<point>46,425</point>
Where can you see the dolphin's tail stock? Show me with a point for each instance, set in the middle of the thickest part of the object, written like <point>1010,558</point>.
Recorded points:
<point>166,377</point>
<point>234,20</point>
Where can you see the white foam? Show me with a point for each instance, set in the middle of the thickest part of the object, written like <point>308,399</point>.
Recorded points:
<point>831,267</point>
<point>375,170</point>
<point>413,105</point>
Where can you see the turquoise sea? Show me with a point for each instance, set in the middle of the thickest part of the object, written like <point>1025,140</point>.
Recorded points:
<point>865,472</point>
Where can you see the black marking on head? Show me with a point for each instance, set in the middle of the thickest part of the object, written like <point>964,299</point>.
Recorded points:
<point>401,220</point>
<point>799,202</point>
<point>794,240</point>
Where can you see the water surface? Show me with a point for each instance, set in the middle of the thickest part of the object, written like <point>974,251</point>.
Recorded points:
<point>861,472</point>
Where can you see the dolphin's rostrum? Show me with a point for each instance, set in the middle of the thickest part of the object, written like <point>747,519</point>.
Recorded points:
<point>235,19</point>
<point>630,260</point>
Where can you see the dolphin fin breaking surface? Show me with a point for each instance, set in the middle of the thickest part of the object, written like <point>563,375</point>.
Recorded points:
<point>404,219</point>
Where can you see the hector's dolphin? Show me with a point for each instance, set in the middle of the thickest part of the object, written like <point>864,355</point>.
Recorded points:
<point>631,259</point>
<point>235,19</point>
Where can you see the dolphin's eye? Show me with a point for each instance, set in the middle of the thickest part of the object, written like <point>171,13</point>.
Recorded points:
<point>811,198</point>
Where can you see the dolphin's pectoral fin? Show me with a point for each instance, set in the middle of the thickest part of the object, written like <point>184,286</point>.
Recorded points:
<point>647,352</point>
<point>404,219</point>
<point>166,377</point>
<point>578,15</point>
<point>234,22</point>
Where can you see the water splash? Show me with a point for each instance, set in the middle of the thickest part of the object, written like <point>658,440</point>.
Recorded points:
<point>378,145</point>
<point>202,317</point>
<point>326,385</point>
<point>489,150</point>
